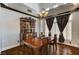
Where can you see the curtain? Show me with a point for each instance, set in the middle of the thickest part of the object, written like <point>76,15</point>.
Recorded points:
<point>62,22</point>
<point>49,22</point>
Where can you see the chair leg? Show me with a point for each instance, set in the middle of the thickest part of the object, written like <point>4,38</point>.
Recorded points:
<point>55,49</point>
<point>56,46</point>
<point>49,48</point>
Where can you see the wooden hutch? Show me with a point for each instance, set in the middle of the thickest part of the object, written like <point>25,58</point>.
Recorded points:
<point>27,28</point>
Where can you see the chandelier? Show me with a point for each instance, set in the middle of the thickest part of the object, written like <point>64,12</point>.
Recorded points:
<point>43,13</point>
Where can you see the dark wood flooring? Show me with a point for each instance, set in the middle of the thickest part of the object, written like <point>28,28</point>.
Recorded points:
<point>61,50</point>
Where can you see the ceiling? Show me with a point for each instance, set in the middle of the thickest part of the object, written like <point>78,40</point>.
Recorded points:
<point>40,6</point>
<point>48,5</point>
<point>54,8</point>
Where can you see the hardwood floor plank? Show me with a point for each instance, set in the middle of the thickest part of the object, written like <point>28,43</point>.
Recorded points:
<point>61,50</point>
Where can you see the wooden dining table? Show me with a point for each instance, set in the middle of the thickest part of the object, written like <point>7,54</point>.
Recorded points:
<point>36,44</point>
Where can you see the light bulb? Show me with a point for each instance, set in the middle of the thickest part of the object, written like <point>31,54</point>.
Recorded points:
<point>43,11</point>
<point>46,13</point>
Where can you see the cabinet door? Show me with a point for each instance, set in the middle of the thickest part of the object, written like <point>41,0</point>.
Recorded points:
<point>22,30</point>
<point>22,25</point>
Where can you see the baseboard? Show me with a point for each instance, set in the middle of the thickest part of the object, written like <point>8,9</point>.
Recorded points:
<point>0,51</point>
<point>9,47</point>
<point>72,45</point>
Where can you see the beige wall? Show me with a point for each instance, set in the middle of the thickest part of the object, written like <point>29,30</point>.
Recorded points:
<point>10,28</point>
<point>75,29</point>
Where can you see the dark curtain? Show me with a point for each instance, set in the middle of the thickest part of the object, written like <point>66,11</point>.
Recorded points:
<point>62,21</point>
<point>49,22</point>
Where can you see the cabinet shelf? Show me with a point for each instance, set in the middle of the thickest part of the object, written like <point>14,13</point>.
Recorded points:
<point>27,26</point>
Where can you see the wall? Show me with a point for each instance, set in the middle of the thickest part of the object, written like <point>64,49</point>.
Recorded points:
<point>71,31</point>
<point>74,18</point>
<point>9,28</point>
<point>37,26</point>
<point>0,30</point>
<point>75,29</point>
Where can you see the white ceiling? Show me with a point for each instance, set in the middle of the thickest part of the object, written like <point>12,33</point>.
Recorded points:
<point>60,7</point>
<point>40,6</point>
<point>48,5</point>
<point>34,6</point>
<point>63,8</point>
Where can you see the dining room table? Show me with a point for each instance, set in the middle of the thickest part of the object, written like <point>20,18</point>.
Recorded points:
<point>36,44</point>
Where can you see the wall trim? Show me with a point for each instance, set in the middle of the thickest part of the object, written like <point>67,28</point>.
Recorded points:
<point>9,47</point>
<point>71,45</point>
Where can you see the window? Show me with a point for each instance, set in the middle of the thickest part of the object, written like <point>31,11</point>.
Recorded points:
<point>55,30</point>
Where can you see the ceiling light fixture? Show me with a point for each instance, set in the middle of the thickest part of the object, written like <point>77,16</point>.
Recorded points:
<point>44,13</point>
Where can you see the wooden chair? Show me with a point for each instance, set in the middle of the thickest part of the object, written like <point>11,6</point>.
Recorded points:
<point>54,42</point>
